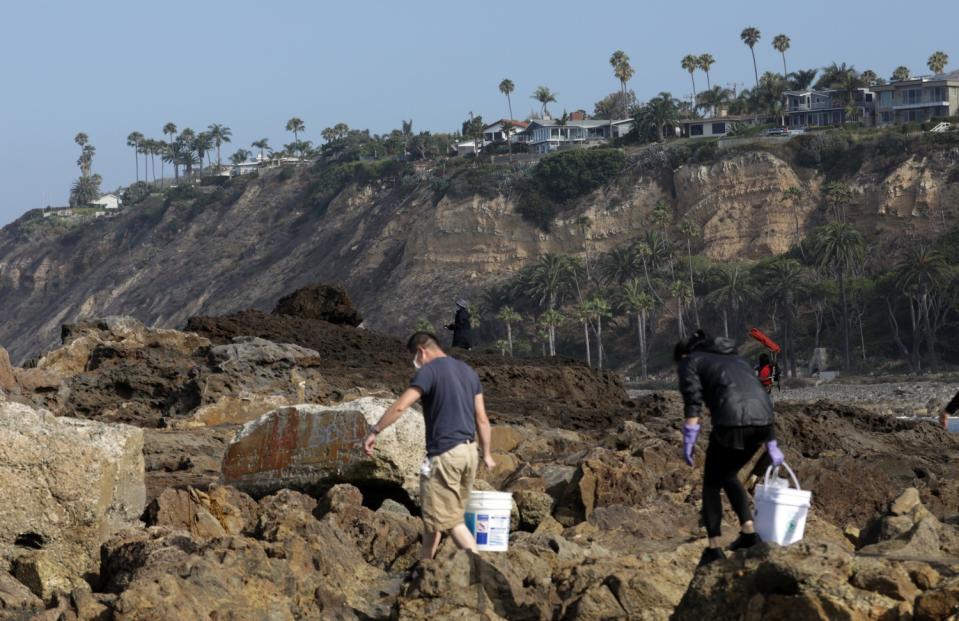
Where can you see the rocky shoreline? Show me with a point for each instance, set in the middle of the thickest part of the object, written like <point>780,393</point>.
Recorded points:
<point>287,519</point>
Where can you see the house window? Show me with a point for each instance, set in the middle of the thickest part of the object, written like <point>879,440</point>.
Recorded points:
<point>719,128</point>
<point>696,130</point>
<point>885,99</point>
<point>887,117</point>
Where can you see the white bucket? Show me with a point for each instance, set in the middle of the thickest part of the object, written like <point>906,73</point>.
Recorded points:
<point>780,510</point>
<point>487,517</point>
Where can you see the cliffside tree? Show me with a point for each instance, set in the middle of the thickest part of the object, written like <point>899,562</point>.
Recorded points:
<point>202,144</point>
<point>170,130</point>
<point>239,156</point>
<point>730,289</point>
<point>781,44</point>
<point>785,286</point>
<point>839,248</point>
<point>750,36</point>
<point>509,316</point>
<point>550,320</point>
<point>706,62</point>
<point>901,73</point>
<point>659,113</point>
<point>263,144</point>
<point>923,276</point>
<point>133,140</point>
<point>802,79</point>
<point>544,96</point>
<point>690,63</point>
<point>937,62</point>
<point>689,231</point>
<point>220,134</point>
<point>623,72</point>
<point>599,309</point>
<point>295,125</point>
<point>638,301</point>
<point>85,190</point>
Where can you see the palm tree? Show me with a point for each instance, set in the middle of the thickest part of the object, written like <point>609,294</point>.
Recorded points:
<point>170,129</point>
<point>85,190</point>
<point>690,63</point>
<point>296,126</point>
<point>840,248</point>
<point>937,62</point>
<point>706,61</point>
<point>802,79</point>
<point>134,140</point>
<point>544,96</point>
<point>680,290</point>
<point>620,265</point>
<point>219,134</point>
<point>659,112</point>
<point>507,87</point>
<point>750,37</point>
<point>144,148</point>
<point>509,316</point>
<point>262,144</point>
<point>637,300</point>
<point>920,274</point>
<point>239,156</point>
<point>623,71</point>
<point>584,312</point>
<point>730,290</point>
<point>202,144</point>
<point>81,139</point>
<point>781,43</point>
<point>869,77</point>
<point>599,309</point>
<point>85,161</point>
<point>715,98</point>
<point>786,286</point>
<point>551,319</point>
<point>901,73</point>
<point>689,231</point>
<point>549,279</point>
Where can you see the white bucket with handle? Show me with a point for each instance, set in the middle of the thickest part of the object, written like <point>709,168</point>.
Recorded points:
<point>487,517</point>
<point>781,510</point>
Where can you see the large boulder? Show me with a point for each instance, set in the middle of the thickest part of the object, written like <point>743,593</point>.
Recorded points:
<point>324,302</point>
<point>315,446</point>
<point>69,484</point>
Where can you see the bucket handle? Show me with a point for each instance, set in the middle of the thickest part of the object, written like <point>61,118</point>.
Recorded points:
<point>775,470</point>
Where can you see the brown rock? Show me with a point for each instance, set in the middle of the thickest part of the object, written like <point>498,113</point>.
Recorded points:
<point>324,302</point>
<point>184,509</point>
<point>906,502</point>
<point>939,603</point>
<point>14,595</point>
<point>891,581</point>
<point>922,575</point>
<point>44,575</point>
<point>8,382</point>
<point>37,380</point>
<point>505,438</point>
<point>534,507</point>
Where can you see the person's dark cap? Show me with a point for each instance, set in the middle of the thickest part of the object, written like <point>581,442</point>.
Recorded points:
<point>462,303</point>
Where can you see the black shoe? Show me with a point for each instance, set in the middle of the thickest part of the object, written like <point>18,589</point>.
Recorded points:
<point>710,555</point>
<point>744,540</point>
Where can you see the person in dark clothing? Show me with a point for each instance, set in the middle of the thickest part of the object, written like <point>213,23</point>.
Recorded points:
<point>462,333</point>
<point>951,408</point>
<point>712,374</point>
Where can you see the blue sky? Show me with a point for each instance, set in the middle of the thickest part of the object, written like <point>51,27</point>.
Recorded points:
<point>110,67</point>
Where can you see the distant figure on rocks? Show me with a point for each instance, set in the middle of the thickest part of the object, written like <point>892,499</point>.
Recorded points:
<point>951,408</point>
<point>767,371</point>
<point>711,374</point>
<point>455,414</point>
<point>462,333</point>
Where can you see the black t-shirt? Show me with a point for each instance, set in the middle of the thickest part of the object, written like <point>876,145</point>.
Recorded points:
<point>449,389</point>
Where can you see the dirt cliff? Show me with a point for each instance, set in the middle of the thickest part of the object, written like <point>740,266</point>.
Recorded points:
<point>404,249</point>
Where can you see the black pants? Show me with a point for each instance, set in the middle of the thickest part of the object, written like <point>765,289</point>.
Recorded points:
<point>721,472</point>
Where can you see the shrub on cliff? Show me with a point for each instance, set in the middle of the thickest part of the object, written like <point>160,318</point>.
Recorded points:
<point>834,153</point>
<point>333,178</point>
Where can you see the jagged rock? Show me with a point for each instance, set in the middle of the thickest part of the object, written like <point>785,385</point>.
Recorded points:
<point>221,511</point>
<point>391,506</point>
<point>14,595</point>
<point>807,580</point>
<point>324,302</point>
<point>45,575</point>
<point>37,380</point>
<point>314,446</point>
<point>70,484</point>
<point>534,507</point>
<point>8,382</point>
<point>939,603</point>
<point>905,503</point>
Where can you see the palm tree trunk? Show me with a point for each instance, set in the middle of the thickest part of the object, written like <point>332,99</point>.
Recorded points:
<point>756,74</point>
<point>589,359</point>
<point>692,286</point>
<point>679,318</point>
<point>845,320</point>
<point>599,343</point>
<point>641,329</point>
<point>552,340</point>
<point>136,159</point>
<point>785,73</point>
<point>693,80</point>
<point>509,338</point>
<point>725,323</point>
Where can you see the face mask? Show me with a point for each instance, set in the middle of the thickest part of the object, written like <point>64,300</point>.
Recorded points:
<point>416,361</point>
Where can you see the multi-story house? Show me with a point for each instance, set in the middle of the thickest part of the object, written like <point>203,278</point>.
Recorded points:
<point>547,135</point>
<point>818,108</point>
<point>918,99</point>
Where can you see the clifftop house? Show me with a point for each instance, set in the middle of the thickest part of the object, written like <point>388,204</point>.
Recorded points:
<point>918,99</point>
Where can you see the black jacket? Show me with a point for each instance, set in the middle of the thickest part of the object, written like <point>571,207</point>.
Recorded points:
<point>462,333</point>
<point>714,376</point>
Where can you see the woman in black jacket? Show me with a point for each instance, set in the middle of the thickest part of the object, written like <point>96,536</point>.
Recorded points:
<point>711,374</point>
<point>462,331</point>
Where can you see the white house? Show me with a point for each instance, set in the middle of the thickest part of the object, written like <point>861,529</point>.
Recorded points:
<point>468,146</point>
<point>108,201</point>
<point>495,132</point>
<point>547,135</point>
<point>711,127</point>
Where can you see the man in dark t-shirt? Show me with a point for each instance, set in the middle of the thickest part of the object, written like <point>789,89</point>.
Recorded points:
<point>455,415</point>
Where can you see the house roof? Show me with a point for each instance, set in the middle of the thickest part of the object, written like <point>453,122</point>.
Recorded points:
<point>952,76</point>
<point>587,123</point>
<point>716,119</point>
<point>516,124</point>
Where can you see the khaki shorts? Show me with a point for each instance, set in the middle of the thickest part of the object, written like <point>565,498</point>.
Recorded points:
<point>444,493</point>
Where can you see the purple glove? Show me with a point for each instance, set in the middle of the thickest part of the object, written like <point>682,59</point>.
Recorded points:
<point>689,442</point>
<point>775,454</point>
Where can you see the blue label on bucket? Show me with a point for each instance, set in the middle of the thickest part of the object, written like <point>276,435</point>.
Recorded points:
<point>482,529</point>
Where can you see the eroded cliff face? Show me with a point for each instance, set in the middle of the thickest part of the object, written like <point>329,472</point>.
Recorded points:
<point>403,255</point>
